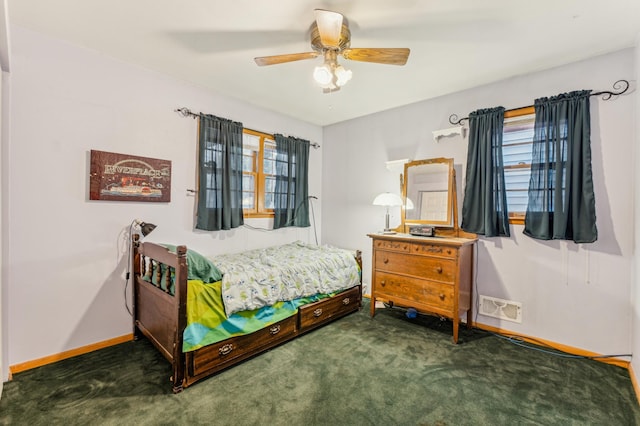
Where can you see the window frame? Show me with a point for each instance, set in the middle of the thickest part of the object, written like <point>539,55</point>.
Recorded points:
<point>259,191</point>
<point>517,218</point>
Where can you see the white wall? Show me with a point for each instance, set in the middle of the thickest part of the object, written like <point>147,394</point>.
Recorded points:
<point>635,290</point>
<point>4,101</point>
<point>66,261</point>
<point>577,295</point>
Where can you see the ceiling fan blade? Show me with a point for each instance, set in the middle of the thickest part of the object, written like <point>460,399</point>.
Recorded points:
<point>281,59</point>
<point>391,56</point>
<point>329,26</point>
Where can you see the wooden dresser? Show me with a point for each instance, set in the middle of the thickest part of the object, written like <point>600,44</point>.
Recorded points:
<point>433,275</point>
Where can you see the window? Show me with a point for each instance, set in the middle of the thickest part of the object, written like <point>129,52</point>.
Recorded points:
<point>517,144</point>
<point>258,173</point>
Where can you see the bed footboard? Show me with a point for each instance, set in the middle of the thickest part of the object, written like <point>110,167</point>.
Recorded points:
<point>157,314</point>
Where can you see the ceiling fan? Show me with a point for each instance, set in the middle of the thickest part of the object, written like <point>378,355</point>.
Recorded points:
<point>330,37</point>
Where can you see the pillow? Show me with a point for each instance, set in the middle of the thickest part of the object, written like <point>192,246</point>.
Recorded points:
<point>198,266</point>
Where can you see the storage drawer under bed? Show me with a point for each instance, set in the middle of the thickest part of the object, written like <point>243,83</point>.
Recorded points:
<point>215,356</point>
<point>315,314</point>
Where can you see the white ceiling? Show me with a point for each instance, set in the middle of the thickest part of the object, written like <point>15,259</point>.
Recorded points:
<point>455,44</point>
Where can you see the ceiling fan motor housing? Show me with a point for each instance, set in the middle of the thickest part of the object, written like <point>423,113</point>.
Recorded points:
<point>343,43</point>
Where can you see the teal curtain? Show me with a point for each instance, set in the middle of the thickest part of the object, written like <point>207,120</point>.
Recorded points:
<point>291,198</point>
<point>561,199</point>
<point>220,174</point>
<point>484,208</point>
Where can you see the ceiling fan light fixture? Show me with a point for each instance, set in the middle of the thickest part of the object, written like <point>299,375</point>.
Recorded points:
<point>323,75</point>
<point>342,75</point>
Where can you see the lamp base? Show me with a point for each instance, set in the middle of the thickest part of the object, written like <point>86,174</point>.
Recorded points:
<point>388,232</point>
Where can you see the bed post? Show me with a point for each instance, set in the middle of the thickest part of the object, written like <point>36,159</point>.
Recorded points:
<point>181,312</point>
<point>131,276</point>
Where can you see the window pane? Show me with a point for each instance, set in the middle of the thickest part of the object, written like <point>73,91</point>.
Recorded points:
<point>248,200</point>
<point>248,183</point>
<point>517,201</point>
<point>269,200</point>
<point>269,165</point>
<point>269,149</point>
<point>517,179</point>
<point>517,141</point>
<point>516,154</point>
<point>248,164</point>
<point>251,142</point>
<point>270,183</point>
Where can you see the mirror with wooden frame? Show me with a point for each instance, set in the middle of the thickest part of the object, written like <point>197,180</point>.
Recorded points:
<point>429,192</point>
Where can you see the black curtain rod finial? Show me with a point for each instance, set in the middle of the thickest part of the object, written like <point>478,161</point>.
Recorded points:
<point>617,86</point>
<point>185,112</point>
<point>453,119</point>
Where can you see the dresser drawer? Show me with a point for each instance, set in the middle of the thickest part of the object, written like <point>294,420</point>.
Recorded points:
<point>242,346</point>
<point>399,246</point>
<point>431,268</point>
<point>434,250</point>
<point>414,290</point>
<point>317,313</point>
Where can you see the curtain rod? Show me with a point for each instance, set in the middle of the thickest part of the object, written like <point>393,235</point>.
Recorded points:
<point>186,112</point>
<point>606,95</point>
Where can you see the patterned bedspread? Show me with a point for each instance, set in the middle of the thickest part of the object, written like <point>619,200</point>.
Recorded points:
<point>207,322</point>
<point>262,277</point>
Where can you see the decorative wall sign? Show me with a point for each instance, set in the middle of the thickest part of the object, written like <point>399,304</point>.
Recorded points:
<point>122,177</point>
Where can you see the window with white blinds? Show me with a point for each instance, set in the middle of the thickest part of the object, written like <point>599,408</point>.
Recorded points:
<point>517,142</point>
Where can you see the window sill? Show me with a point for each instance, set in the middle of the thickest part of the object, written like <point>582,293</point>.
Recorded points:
<point>258,215</point>
<point>517,220</point>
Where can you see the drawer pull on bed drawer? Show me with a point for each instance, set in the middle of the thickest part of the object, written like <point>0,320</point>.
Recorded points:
<point>317,312</point>
<point>275,329</point>
<point>226,349</point>
<point>346,301</point>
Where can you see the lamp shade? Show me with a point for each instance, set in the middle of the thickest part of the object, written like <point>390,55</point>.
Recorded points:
<point>409,204</point>
<point>387,199</point>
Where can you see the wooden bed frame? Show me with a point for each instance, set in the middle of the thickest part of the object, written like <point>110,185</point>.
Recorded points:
<point>162,318</point>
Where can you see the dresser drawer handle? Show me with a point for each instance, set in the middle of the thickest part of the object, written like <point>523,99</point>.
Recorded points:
<point>441,296</point>
<point>383,283</point>
<point>439,269</point>
<point>274,330</point>
<point>346,301</point>
<point>385,261</point>
<point>226,349</point>
<point>317,312</point>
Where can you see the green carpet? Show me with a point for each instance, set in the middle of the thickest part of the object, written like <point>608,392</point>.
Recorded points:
<point>389,370</point>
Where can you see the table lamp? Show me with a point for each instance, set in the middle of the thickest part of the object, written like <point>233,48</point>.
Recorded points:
<point>387,199</point>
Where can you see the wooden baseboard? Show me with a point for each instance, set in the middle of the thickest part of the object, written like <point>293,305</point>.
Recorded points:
<point>553,345</point>
<point>634,381</point>
<point>24,366</point>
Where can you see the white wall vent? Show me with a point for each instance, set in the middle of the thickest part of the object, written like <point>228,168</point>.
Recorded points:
<point>500,308</point>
